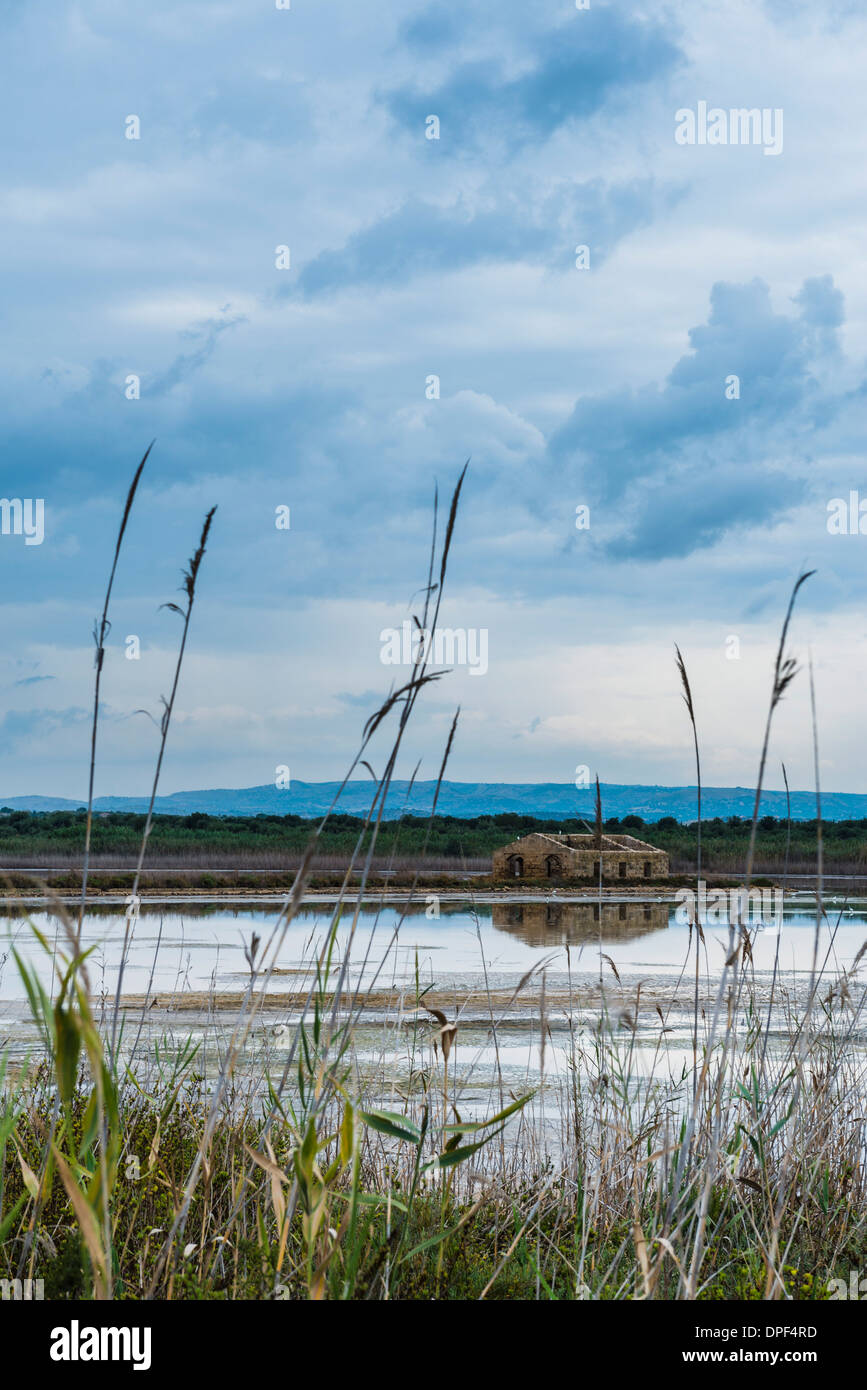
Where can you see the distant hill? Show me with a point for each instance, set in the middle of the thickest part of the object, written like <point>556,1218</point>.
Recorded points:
<point>547,800</point>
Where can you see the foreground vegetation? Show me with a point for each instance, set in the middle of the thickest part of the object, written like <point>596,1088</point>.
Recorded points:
<point>366,1224</point>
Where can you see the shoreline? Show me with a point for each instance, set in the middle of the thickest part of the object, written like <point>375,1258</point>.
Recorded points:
<point>487,896</point>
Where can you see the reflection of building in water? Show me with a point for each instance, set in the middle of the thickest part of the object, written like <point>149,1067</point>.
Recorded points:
<point>543,924</point>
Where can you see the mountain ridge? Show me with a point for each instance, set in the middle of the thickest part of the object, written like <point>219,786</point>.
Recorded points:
<point>544,800</point>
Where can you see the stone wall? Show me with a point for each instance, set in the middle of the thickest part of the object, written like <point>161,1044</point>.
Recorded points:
<point>563,858</point>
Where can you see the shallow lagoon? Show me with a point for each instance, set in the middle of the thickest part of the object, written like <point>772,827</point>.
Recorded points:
<point>190,958</point>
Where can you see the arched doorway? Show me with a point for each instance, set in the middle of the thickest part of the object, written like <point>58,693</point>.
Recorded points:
<point>552,866</point>
<point>516,866</point>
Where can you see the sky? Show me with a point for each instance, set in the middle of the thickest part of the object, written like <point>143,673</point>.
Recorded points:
<point>323,256</point>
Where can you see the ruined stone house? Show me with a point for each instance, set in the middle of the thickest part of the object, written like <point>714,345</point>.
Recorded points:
<point>548,856</point>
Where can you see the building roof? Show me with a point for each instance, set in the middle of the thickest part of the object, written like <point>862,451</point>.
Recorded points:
<point>562,841</point>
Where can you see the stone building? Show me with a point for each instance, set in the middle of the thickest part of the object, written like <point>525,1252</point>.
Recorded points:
<point>559,857</point>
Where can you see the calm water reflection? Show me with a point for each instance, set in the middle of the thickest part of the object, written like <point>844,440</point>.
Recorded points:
<point>196,946</point>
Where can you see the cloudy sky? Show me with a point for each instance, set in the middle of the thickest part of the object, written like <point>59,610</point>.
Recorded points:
<point>310,385</point>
